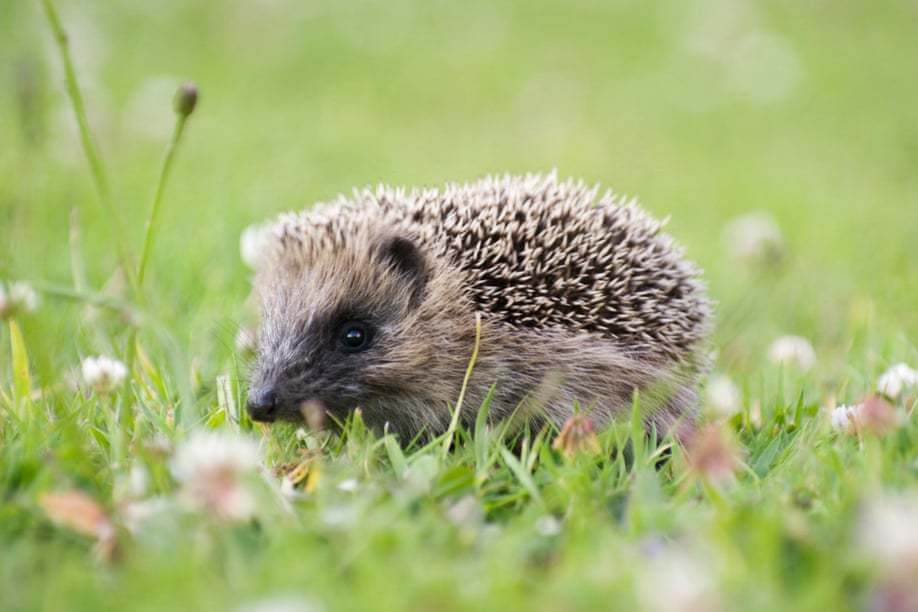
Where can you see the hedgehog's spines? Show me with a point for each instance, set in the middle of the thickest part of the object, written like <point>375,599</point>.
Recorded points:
<point>536,253</point>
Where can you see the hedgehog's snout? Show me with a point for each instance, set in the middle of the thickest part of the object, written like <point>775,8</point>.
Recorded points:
<point>263,403</point>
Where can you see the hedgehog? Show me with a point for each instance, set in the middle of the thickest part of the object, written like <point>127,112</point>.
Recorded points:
<point>569,302</point>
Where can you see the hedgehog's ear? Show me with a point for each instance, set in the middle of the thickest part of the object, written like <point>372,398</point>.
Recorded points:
<point>406,258</point>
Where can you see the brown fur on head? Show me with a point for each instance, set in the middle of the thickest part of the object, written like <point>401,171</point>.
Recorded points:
<point>380,283</point>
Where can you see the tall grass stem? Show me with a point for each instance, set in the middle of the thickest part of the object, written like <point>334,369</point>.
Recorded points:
<point>454,422</point>
<point>180,121</point>
<point>90,149</point>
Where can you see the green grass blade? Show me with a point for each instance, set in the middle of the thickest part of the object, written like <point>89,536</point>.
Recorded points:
<point>454,422</point>
<point>22,381</point>
<point>522,475</point>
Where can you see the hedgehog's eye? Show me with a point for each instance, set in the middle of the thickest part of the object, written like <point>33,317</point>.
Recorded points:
<point>354,336</point>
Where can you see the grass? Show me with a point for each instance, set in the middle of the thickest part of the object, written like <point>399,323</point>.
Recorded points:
<point>708,110</point>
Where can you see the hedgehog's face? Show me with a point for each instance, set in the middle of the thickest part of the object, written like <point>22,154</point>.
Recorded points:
<point>341,331</point>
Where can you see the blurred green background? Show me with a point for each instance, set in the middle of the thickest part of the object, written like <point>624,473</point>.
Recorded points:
<point>705,109</point>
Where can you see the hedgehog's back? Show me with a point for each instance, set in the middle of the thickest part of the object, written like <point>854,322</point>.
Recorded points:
<point>539,253</point>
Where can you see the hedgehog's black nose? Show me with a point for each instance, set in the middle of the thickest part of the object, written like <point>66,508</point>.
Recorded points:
<point>262,404</point>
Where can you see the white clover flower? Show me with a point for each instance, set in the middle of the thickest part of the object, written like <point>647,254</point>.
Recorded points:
<point>340,515</point>
<point>24,295</point>
<point>874,415</point>
<point>793,350</point>
<point>17,298</point>
<point>677,580</point>
<point>844,418</point>
<point>254,243</point>
<point>133,485</point>
<point>214,469</point>
<point>158,444</point>
<point>466,512</point>
<point>139,480</point>
<point>349,485</point>
<point>548,526</point>
<point>723,396</point>
<point>288,488</point>
<point>896,379</point>
<point>136,513</point>
<point>103,374</point>
<point>754,237</point>
<point>888,529</point>
<point>282,603</point>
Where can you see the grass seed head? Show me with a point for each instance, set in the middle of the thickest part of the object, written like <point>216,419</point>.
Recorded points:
<point>186,98</point>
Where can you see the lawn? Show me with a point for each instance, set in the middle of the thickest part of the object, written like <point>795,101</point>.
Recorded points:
<point>779,138</point>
